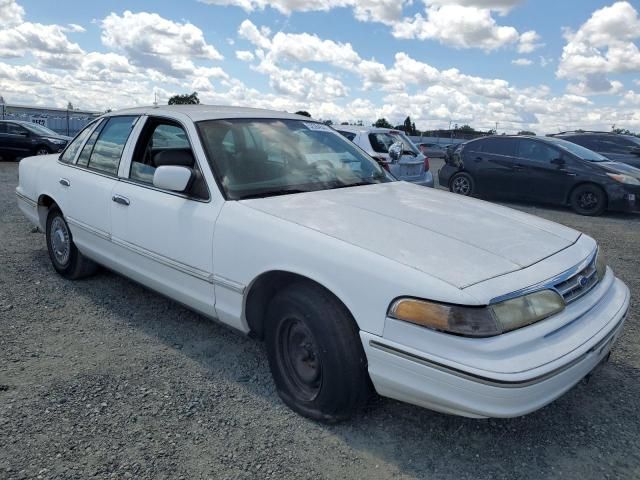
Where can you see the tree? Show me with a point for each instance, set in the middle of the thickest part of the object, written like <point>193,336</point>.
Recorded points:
<point>69,106</point>
<point>527,132</point>
<point>185,99</point>
<point>414,132</point>
<point>328,122</point>
<point>382,123</point>
<point>344,123</point>
<point>466,129</point>
<point>407,126</point>
<point>304,113</point>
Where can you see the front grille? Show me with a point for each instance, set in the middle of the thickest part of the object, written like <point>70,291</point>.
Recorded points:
<point>579,284</point>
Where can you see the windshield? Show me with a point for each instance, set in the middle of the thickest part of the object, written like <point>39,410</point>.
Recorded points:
<point>265,157</point>
<point>39,129</point>
<point>577,150</point>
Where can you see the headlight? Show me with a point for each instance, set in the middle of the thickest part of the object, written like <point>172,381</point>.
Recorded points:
<point>57,141</point>
<point>479,321</point>
<point>622,178</point>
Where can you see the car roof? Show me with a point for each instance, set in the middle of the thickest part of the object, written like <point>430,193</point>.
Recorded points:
<point>362,128</point>
<point>209,112</point>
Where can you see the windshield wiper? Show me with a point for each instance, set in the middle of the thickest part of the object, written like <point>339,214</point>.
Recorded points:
<point>273,193</point>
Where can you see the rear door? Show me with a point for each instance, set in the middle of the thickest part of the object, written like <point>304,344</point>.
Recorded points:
<point>89,183</point>
<point>543,172</point>
<point>491,162</point>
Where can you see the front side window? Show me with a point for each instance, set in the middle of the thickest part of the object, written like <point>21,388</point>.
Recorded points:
<point>106,153</point>
<point>380,142</point>
<point>163,142</point>
<point>70,152</point>
<point>347,135</point>
<point>577,150</point>
<point>537,151</point>
<point>262,157</point>
<point>407,145</point>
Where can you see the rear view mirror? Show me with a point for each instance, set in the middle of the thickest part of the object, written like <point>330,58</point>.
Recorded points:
<point>395,151</point>
<point>172,177</point>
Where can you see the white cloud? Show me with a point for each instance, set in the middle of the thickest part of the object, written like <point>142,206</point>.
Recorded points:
<point>75,28</point>
<point>385,11</point>
<point>529,42</point>
<point>36,38</point>
<point>457,26</point>
<point>603,45</point>
<point>522,62</point>
<point>152,41</point>
<point>11,13</point>
<point>244,55</point>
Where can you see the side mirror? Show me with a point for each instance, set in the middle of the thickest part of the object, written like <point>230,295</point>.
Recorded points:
<point>395,151</point>
<point>172,177</point>
<point>635,151</point>
<point>559,161</point>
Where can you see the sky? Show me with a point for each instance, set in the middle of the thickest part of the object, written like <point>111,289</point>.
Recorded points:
<point>542,65</point>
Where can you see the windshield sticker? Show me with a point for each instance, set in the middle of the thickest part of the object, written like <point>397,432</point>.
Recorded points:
<point>317,126</point>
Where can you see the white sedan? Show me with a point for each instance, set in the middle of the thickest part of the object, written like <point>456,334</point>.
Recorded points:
<point>281,228</point>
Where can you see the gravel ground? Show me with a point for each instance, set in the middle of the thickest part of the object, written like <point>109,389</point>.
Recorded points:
<point>103,378</point>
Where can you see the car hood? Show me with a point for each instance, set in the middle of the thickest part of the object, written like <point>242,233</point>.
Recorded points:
<point>619,167</point>
<point>459,240</point>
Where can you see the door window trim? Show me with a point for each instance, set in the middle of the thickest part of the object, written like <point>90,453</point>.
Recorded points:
<point>125,174</point>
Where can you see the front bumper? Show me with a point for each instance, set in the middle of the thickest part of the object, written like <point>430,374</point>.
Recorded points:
<point>624,198</point>
<point>503,390</point>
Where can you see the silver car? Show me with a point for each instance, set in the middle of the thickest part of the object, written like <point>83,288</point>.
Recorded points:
<point>411,166</point>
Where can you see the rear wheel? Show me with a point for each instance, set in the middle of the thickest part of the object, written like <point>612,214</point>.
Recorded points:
<point>42,150</point>
<point>462,184</point>
<point>588,199</point>
<point>315,354</point>
<point>65,257</point>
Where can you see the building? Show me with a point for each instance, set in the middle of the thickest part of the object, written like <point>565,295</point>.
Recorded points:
<point>60,120</point>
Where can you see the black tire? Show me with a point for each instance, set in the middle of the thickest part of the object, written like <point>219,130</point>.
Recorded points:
<point>65,257</point>
<point>42,150</point>
<point>315,354</point>
<point>588,199</point>
<point>462,183</point>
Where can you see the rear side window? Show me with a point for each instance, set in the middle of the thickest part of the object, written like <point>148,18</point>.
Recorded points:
<point>70,152</point>
<point>106,153</point>
<point>13,129</point>
<point>380,142</point>
<point>347,135</point>
<point>537,151</point>
<point>496,146</point>
<point>614,144</point>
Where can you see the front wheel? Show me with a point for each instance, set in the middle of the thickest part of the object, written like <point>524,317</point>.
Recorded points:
<point>315,354</point>
<point>462,184</point>
<point>588,199</point>
<point>65,257</point>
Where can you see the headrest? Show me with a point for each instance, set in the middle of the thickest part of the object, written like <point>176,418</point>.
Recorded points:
<point>179,156</point>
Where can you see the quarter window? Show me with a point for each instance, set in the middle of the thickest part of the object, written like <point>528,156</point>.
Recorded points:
<point>69,155</point>
<point>106,153</point>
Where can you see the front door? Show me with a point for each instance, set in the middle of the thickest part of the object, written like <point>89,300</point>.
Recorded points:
<point>165,238</point>
<point>544,174</point>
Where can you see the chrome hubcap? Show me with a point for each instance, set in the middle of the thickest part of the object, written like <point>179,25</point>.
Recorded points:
<point>60,241</point>
<point>461,185</point>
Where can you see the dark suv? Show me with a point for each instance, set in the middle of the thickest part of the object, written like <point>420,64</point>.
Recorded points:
<point>621,148</point>
<point>24,139</point>
<point>543,169</point>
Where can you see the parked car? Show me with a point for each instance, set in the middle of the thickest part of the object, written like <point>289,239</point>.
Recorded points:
<point>412,166</point>
<point>621,148</point>
<point>450,149</point>
<point>431,150</point>
<point>323,257</point>
<point>23,139</point>
<point>545,169</point>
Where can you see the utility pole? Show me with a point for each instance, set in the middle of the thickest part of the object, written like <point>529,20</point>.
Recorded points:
<point>496,128</point>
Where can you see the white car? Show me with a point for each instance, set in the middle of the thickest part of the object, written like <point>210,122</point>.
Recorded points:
<point>279,227</point>
<point>411,166</point>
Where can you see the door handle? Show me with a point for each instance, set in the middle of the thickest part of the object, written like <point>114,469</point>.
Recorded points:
<point>478,159</point>
<point>64,182</point>
<point>121,200</point>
